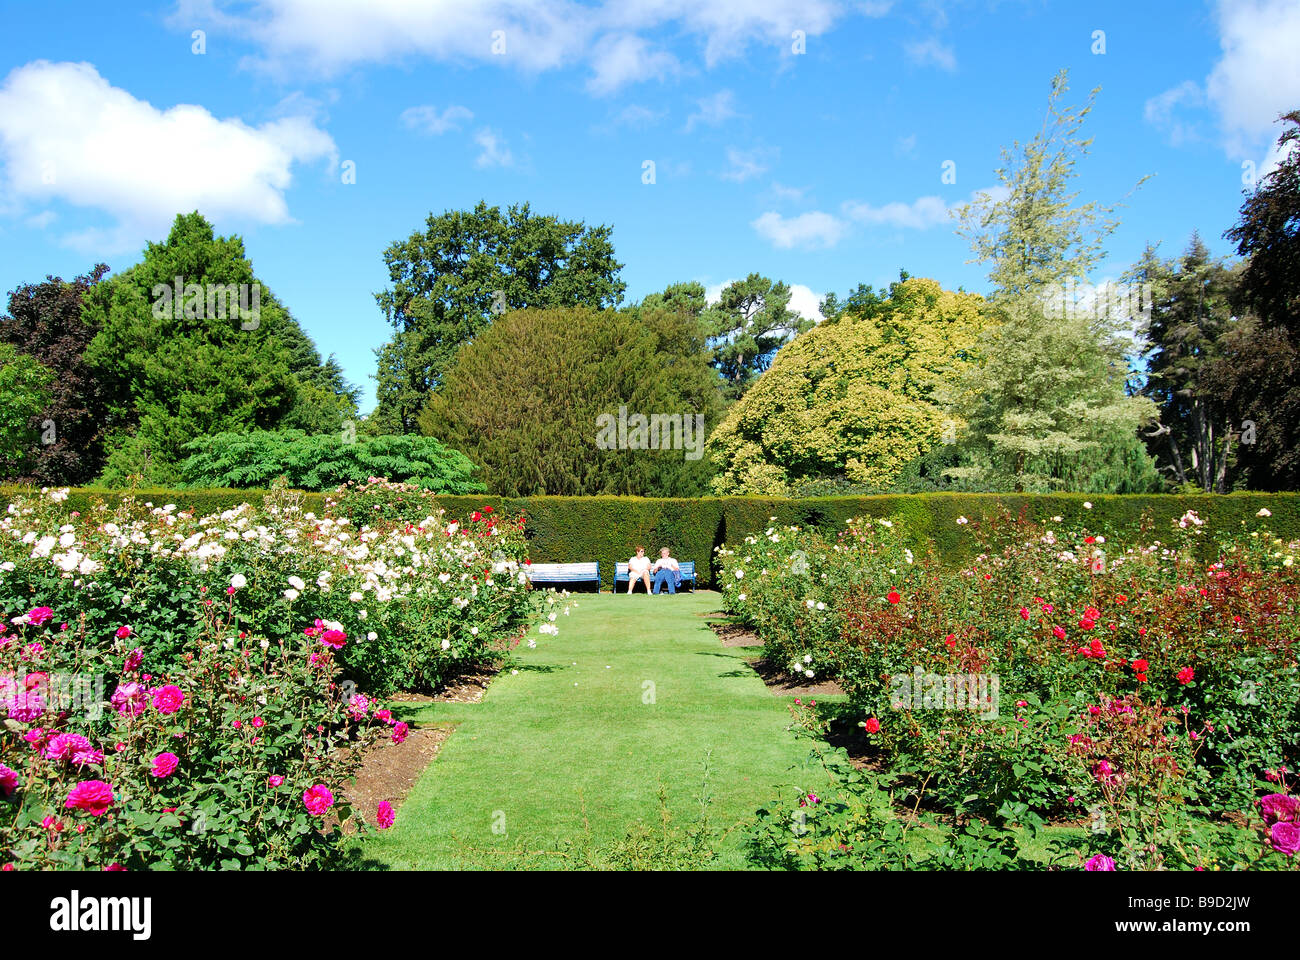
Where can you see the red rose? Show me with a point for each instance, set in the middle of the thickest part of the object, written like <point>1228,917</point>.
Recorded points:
<point>893,596</point>
<point>872,725</point>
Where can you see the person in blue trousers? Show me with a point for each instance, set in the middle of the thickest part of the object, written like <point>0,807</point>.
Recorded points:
<point>667,571</point>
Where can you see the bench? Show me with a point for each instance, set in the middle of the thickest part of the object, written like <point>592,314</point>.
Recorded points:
<point>544,574</point>
<point>687,571</point>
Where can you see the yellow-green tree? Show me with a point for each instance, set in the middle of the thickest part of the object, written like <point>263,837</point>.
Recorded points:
<point>856,398</point>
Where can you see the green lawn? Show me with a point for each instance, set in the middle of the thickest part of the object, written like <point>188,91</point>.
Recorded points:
<point>633,695</point>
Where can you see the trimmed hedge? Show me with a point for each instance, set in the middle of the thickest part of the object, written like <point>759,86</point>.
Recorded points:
<point>211,500</point>
<point>607,529</point>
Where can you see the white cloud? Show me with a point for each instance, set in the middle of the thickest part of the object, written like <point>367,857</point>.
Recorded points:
<point>805,302</point>
<point>494,152</point>
<point>620,59</point>
<point>609,38</point>
<point>1161,111</point>
<point>811,230</point>
<point>635,115</point>
<point>788,193</point>
<point>713,110</point>
<point>932,53</point>
<point>1258,77</point>
<point>427,119</point>
<point>67,135</point>
<point>920,214</point>
<point>745,164</point>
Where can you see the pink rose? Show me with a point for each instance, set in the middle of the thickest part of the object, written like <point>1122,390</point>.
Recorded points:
<point>63,746</point>
<point>168,699</point>
<point>133,660</point>
<point>25,707</point>
<point>1100,862</point>
<point>130,699</point>
<point>93,796</point>
<point>1278,807</point>
<point>399,732</point>
<point>123,632</point>
<point>334,638</point>
<point>8,780</point>
<point>274,780</point>
<point>1285,838</point>
<point>385,816</point>
<point>164,765</point>
<point>318,800</point>
<point>258,722</point>
<point>40,616</point>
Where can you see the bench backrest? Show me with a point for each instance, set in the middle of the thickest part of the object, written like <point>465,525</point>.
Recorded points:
<point>687,571</point>
<point>564,571</point>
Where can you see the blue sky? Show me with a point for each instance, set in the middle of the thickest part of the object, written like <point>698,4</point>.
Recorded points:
<point>822,168</point>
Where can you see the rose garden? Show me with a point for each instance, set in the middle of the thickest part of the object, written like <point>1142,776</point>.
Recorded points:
<point>188,691</point>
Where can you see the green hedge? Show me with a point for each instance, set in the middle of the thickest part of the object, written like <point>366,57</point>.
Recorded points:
<point>571,529</point>
<point>205,501</point>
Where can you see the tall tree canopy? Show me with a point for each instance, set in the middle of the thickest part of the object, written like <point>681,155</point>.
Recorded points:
<point>537,398</point>
<point>745,328</point>
<point>465,268</point>
<point>180,367</point>
<point>1260,376</point>
<point>45,323</point>
<point>1268,235</point>
<point>1191,314</point>
<point>1051,405</point>
<point>856,398</point>
<point>24,392</point>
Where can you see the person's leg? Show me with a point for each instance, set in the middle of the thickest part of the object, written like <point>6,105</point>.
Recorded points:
<point>672,583</point>
<point>645,578</point>
<point>659,582</point>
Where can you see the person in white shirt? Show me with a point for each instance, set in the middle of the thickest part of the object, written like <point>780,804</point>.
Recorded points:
<point>638,568</point>
<point>666,570</point>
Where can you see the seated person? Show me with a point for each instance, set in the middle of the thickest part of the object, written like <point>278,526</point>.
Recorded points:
<point>638,568</point>
<point>668,571</point>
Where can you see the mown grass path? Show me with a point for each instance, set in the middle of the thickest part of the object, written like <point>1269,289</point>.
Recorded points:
<point>634,693</point>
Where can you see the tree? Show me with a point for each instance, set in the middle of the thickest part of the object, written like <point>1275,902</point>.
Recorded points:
<point>1190,313</point>
<point>45,323</point>
<point>323,462</point>
<point>577,401</point>
<point>1053,396</point>
<point>1268,235</point>
<point>450,280</point>
<point>745,328</point>
<point>191,343</point>
<point>1260,375</point>
<point>688,298</point>
<point>853,400</point>
<point>24,392</point>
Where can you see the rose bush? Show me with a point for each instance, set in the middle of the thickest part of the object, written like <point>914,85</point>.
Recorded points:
<point>237,758</point>
<point>419,601</point>
<point>975,688</point>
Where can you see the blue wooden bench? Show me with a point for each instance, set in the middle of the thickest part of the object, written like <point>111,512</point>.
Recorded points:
<point>687,571</point>
<point>546,574</point>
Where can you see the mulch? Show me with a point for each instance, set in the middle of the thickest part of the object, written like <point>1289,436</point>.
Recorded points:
<point>779,682</point>
<point>389,770</point>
